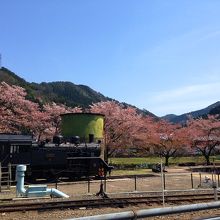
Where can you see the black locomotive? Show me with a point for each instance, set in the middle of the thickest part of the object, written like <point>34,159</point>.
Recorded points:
<point>52,160</point>
<point>73,157</point>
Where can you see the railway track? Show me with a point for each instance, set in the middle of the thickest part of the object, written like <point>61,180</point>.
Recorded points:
<point>97,203</point>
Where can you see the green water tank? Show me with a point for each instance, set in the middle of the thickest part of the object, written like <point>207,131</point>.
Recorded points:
<point>88,126</point>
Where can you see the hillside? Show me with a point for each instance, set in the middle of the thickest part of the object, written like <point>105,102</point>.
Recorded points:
<point>66,93</point>
<point>60,92</point>
<point>211,109</point>
<point>215,110</point>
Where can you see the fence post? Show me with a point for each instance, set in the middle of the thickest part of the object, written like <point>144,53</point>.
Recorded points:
<point>200,179</point>
<point>218,179</point>
<point>162,174</point>
<point>10,174</point>
<point>56,183</point>
<point>88,185</point>
<point>0,176</point>
<point>215,191</point>
<point>164,181</point>
<point>135,183</point>
<point>105,185</point>
<point>192,180</point>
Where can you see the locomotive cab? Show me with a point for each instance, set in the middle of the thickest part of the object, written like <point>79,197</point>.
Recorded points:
<point>13,146</point>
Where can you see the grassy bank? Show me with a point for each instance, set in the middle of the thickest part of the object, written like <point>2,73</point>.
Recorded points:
<point>145,162</point>
<point>135,166</point>
<point>116,172</point>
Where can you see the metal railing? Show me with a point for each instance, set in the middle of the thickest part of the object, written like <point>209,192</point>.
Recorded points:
<point>144,213</point>
<point>5,177</point>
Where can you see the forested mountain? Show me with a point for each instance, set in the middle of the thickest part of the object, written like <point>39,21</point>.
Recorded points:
<point>215,110</point>
<point>211,109</point>
<point>73,95</point>
<point>66,93</point>
<point>60,92</point>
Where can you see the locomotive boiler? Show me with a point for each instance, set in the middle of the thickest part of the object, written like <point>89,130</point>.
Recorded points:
<point>76,153</point>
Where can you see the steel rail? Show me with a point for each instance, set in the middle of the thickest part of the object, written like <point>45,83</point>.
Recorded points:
<point>109,202</point>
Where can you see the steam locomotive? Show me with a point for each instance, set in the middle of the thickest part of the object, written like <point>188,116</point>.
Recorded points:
<point>77,153</point>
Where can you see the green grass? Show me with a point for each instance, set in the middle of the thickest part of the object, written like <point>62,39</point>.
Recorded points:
<point>130,172</point>
<point>152,160</point>
<point>138,162</point>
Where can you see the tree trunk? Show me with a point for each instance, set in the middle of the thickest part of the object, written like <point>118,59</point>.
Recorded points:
<point>167,160</point>
<point>207,159</point>
<point>39,137</point>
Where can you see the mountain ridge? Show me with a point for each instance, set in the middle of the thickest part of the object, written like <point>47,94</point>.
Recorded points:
<point>212,109</point>
<point>62,92</point>
<point>70,94</point>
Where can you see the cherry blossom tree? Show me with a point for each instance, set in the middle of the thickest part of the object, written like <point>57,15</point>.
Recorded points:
<point>120,125</point>
<point>167,138</point>
<point>54,111</point>
<point>204,135</point>
<point>17,113</point>
<point>39,123</point>
<point>142,134</point>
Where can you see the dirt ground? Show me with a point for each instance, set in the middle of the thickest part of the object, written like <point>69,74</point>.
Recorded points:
<point>175,179</point>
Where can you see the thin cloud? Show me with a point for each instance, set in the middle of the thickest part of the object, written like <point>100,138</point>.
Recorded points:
<point>182,42</point>
<point>180,100</point>
<point>179,108</point>
<point>188,92</point>
<point>210,35</point>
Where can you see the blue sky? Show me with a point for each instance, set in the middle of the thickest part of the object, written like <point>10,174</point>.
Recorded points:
<point>161,55</point>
